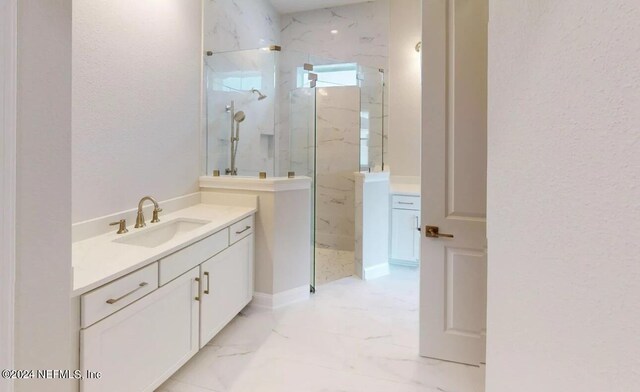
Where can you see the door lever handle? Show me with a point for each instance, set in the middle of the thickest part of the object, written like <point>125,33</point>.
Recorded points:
<point>434,232</point>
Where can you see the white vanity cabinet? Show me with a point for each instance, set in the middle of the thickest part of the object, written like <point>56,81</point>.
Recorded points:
<point>405,237</point>
<point>225,288</point>
<point>141,328</point>
<point>139,347</point>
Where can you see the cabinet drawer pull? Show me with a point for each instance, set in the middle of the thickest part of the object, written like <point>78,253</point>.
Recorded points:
<point>113,301</point>
<point>242,231</point>
<point>208,282</point>
<point>405,203</point>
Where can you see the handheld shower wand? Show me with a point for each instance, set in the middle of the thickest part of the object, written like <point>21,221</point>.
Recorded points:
<point>238,117</point>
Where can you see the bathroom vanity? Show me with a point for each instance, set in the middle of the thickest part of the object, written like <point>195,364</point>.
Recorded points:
<point>151,298</point>
<point>405,223</point>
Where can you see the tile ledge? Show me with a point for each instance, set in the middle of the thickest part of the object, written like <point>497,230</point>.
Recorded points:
<point>272,184</point>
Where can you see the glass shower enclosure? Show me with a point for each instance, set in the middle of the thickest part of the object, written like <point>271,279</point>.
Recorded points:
<point>336,127</point>
<point>318,117</point>
<point>241,82</point>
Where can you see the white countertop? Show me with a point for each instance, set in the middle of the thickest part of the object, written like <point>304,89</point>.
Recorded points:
<point>405,189</point>
<point>98,260</point>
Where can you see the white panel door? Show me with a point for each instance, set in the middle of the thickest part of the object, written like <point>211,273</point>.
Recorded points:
<point>454,157</point>
<point>142,345</point>
<point>227,287</point>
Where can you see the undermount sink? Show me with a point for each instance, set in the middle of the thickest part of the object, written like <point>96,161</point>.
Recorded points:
<point>160,233</point>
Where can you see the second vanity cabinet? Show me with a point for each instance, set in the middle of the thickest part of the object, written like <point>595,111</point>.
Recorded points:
<point>138,330</point>
<point>405,237</point>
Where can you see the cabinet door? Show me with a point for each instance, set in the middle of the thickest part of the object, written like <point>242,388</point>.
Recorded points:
<point>404,241</point>
<point>227,287</point>
<point>139,347</point>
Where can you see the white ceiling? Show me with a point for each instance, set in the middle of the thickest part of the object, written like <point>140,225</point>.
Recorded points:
<point>291,6</point>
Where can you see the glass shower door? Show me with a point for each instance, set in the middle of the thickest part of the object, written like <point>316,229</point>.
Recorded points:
<point>302,149</point>
<point>337,159</point>
<point>241,81</point>
<point>335,123</point>
<point>372,118</point>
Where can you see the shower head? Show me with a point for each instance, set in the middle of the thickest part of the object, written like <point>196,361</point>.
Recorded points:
<point>260,95</point>
<point>239,116</point>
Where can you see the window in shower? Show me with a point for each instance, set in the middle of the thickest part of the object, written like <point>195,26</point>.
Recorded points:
<point>342,74</point>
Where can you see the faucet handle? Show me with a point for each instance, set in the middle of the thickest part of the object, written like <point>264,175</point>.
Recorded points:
<point>155,218</point>
<point>122,226</point>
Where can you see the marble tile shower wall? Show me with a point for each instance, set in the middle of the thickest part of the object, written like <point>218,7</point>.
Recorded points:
<point>362,33</point>
<point>240,24</point>
<point>338,143</point>
<point>362,37</point>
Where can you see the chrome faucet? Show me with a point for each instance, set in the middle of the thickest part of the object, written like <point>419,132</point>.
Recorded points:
<point>140,218</point>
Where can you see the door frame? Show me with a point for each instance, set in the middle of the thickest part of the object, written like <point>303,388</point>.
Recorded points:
<point>8,118</point>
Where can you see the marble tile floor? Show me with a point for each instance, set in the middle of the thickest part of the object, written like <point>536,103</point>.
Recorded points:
<point>350,336</point>
<point>333,264</point>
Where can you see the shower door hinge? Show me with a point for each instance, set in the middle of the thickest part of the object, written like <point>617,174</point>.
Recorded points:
<point>313,78</point>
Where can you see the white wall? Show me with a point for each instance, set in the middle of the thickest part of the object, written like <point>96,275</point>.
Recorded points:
<point>404,87</point>
<point>43,247</point>
<point>372,225</point>
<point>282,235</point>
<point>8,11</point>
<point>564,196</point>
<point>136,102</point>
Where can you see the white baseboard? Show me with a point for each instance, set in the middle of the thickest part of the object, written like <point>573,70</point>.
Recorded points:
<point>279,300</point>
<point>376,271</point>
<point>403,263</point>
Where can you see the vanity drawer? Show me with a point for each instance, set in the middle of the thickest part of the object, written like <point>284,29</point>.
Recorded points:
<point>185,259</point>
<point>406,202</point>
<point>110,298</point>
<point>241,229</point>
